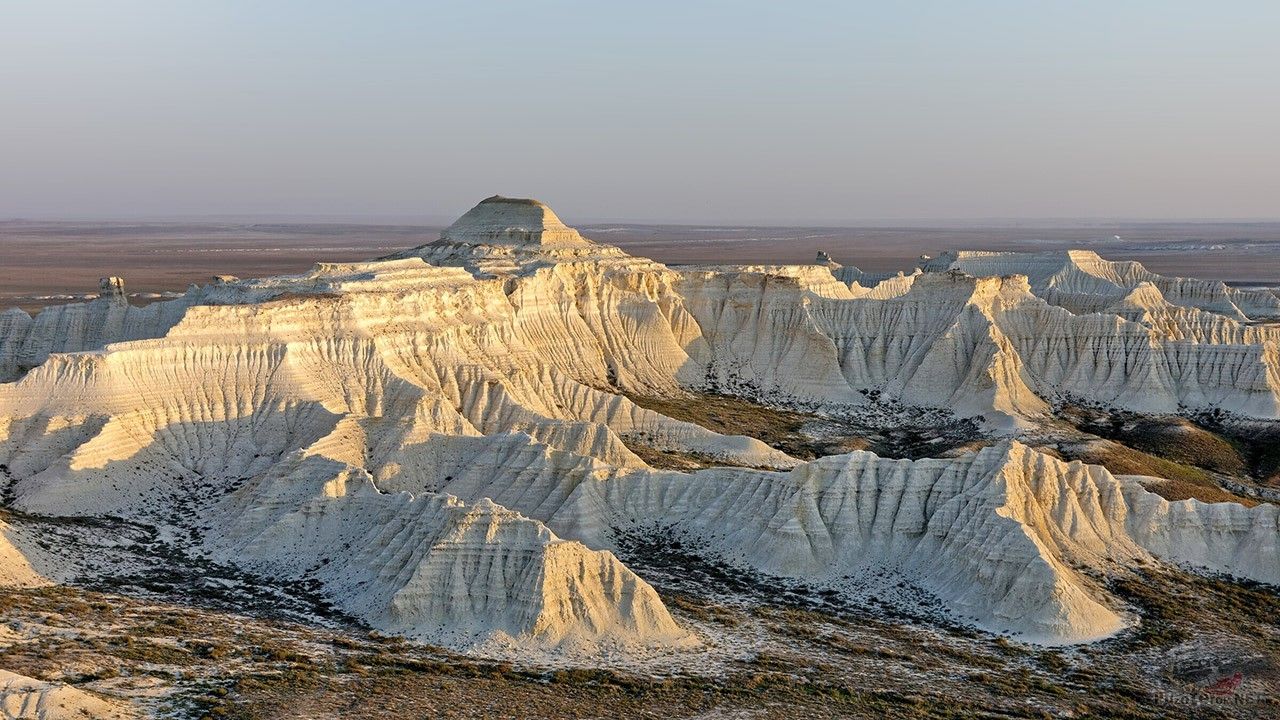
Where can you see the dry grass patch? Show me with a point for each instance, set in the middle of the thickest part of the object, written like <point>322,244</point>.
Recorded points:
<point>1181,481</point>
<point>779,429</point>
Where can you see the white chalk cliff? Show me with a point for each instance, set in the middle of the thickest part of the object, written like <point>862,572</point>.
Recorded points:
<point>1081,281</point>
<point>441,437</point>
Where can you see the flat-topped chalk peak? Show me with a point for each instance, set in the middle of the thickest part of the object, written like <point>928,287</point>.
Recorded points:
<point>501,220</point>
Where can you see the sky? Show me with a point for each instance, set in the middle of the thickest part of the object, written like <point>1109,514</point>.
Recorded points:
<point>690,111</point>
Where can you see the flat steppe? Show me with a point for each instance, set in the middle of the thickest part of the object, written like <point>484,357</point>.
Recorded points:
<point>43,262</point>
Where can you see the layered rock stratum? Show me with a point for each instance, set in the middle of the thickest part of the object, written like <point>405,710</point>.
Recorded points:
<point>442,440</point>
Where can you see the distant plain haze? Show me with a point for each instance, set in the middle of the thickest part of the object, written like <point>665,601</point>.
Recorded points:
<point>687,112</point>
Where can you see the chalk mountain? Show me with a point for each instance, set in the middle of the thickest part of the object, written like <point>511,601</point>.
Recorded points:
<point>442,439</point>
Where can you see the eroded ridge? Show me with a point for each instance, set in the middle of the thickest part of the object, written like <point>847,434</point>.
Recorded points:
<point>442,439</point>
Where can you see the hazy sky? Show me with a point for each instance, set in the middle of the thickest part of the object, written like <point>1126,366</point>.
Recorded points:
<point>664,111</point>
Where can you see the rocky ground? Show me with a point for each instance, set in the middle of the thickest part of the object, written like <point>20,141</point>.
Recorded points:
<point>790,655</point>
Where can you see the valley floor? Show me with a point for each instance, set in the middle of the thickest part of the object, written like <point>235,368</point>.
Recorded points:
<point>805,659</point>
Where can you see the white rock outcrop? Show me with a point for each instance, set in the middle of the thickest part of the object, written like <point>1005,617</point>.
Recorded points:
<point>1082,281</point>
<point>442,440</point>
<point>986,346</point>
<point>999,536</point>
<point>512,221</point>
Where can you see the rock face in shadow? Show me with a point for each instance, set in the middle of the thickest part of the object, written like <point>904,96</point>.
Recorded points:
<point>15,568</point>
<point>440,438</point>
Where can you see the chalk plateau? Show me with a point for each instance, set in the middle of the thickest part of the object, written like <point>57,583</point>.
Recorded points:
<point>442,439</point>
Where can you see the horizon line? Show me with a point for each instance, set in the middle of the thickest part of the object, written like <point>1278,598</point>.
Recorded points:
<point>434,220</point>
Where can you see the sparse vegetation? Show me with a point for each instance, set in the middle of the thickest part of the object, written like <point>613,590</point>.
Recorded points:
<point>1258,443</point>
<point>726,415</point>
<point>819,657</point>
<point>1190,455</point>
<point>1182,481</point>
<point>1174,439</point>
<point>671,460</point>
<point>805,436</point>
